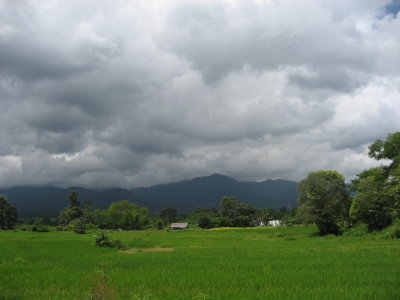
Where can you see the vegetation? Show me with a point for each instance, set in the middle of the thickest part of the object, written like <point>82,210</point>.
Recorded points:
<point>205,223</point>
<point>104,240</point>
<point>122,215</point>
<point>235,213</point>
<point>377,202</point>
<point>168,215</point>
<point>8,214</point>
<point>250,263</point>
<point>77,215</point>
<point>324,200</point>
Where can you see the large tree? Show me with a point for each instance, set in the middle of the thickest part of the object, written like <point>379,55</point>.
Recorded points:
<point>77,214</point>
<point>324,200</point>
<point>8,214</point>
<point>377,199</point>
<point>122,214</point>
<point>168,215</point>
<point>72,211</point>
<point>235,213</point>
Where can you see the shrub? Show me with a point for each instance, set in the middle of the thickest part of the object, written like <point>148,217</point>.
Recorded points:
<point>103,240</point>
<point>118,244</point>
<point>78,226</point>
<point>359,230</point>
<point>392,232</point>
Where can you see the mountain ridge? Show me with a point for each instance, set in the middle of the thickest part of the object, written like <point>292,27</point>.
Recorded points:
<point>186,195</point>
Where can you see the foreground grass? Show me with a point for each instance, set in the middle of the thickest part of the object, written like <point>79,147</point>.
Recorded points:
<point>255,263</point>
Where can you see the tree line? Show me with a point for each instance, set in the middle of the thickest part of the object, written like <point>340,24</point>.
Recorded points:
<point>373,198</point>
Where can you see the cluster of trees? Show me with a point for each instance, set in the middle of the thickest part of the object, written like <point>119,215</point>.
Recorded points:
<point>122,214</point>
<point>234,213</point>
<point>325,199</point>
<point>377,202</point>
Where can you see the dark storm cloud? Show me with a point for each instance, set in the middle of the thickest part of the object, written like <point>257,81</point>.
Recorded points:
<point>103,94</point>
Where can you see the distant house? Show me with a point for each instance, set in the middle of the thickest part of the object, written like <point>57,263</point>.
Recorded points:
<point>178,226</point>
<point>275,223</point>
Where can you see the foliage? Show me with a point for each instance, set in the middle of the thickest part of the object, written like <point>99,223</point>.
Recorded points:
<point>76,214</point>
<point>8,214</point>
<point>359,230</point>
<point>324,200</point>
<point>168,215</point>
<point>205,223</point>
<point>104,240</point>
<point>235,213</point>
<point>78,225</point>
<point>393,232</point>
<point>159,225</point>
<point>377,202</point>
<point>123,215</point>
<point>203,212</point>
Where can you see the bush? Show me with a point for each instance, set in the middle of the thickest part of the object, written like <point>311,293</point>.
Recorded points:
<point>78,226</point>
<point>392,232</point>
<point>359,230</point>
<point>118,244</point>
<point>35,228</point>
<point>103,240</point>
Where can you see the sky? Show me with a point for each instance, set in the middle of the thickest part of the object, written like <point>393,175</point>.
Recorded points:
<point>106,94</point>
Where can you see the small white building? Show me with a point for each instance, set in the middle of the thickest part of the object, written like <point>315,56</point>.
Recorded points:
<point>177,226</point>
<point>274,223</point>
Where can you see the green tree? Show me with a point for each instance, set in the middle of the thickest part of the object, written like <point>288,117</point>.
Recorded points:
<point>8,214</point>
<point>169,215</point>
<point>377,199</point>
<point>87,213</point>
<point>201,212</point>
<point>323,195</point>
<point>126,215</point>
<point>205,223</point>
<point>76,214</point>
<point>71,212</point>
<point>235,213</point>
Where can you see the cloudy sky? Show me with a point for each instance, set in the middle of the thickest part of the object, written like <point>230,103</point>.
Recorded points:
<point>135,93</point>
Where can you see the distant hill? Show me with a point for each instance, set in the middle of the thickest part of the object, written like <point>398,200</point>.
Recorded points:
<point>208,192</point>
<point>185,195</point>
<point>42,201</point>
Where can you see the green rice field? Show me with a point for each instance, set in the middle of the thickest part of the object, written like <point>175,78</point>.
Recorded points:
<point>251,263</point>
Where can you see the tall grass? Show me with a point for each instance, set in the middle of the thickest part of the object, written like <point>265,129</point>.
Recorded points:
<point>251,263</point>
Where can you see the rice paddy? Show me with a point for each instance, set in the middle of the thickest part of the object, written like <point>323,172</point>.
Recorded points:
<point>248,263</point>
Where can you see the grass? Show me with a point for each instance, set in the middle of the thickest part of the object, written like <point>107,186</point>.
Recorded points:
<point>248,263</point>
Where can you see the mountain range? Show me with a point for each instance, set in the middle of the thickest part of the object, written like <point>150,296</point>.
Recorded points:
<point>185,196</point>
